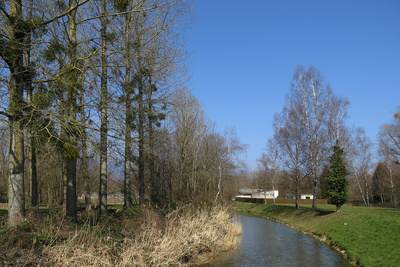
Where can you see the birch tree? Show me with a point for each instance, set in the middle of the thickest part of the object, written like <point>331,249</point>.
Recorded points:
<point>230,146</point>
<point>360,156</point>
<point>389,151</point>
<point>189,126</point>
<point>290,141</point>
<point>269,164</point>
<point>336,119</point>
<point>309,98</point>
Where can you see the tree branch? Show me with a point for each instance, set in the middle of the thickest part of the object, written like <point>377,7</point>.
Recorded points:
<point>64,13</point>
<point>5,114</point>
<point>5,13</point>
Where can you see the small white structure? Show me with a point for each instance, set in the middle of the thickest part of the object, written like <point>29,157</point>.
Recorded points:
<point>257,194</point>
<point>306,196</point>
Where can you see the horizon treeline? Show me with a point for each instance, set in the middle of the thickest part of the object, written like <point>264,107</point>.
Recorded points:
<point>312,120</point>
<point>93,100</point>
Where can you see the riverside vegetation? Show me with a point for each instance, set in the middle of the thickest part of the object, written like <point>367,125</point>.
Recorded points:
<point>365,236</point>
<point>139,236</point>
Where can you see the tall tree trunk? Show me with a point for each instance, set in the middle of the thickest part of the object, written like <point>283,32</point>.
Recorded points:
<point>392,188</point>
<point>31,141</point>
<point>317,154</point>
<point>219,182</point>
<point>103,111</point>
<point>297,191</point>
<point>16,191</point>
<point>33,172</point>
<point>366,189</point>
<point>128,118</point>
<point>154,193</point>
<point>141,113</point>
<point>71,207</point>
<point>128,156</point>
<point>85,172</point>
<point>70,153</point>
<point>141,163</point>
<point>273,188</point>
<point>361,191</point>
<point>153,183</point>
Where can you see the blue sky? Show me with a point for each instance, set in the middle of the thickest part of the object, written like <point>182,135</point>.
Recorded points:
<point>245,54</point>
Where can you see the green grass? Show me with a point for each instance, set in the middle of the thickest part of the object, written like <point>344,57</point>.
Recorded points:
<point>370,236</point>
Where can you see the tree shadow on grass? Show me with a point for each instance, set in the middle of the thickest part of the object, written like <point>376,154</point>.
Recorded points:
<point>318,212</point>
<point>324,212</point>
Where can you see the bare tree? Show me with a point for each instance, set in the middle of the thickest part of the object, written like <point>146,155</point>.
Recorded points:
<point>337,115</point>
<point>189,126</point>
<point>230,147</point>
<point>269,165</point>
<point>390,133</point>
<point>310,99</point>
<point>389,150</point>
<point>291,144</point>
<point>360,156</point>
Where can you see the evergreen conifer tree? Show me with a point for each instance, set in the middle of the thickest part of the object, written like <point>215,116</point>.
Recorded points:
<point>336,178</point>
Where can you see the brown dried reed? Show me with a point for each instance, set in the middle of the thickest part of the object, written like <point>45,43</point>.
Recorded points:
<point>191,236</point>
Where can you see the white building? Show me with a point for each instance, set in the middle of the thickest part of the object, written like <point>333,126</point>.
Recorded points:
<point>257,193</point>
<point>306,196</point>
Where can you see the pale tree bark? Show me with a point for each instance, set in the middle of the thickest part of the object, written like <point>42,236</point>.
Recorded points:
<point>189,126</point>
<point>356,176</point>
<point>269,162</point>
<point>391,134</point>
<point>229,147</point>
<point>360,161</point>
<point>14,59</point>
<point>224,154</point>
<point>337,116</point>
<point>291,145</point>
<point>390,167</point>
<point>310,98</point>
<point>386,151</point>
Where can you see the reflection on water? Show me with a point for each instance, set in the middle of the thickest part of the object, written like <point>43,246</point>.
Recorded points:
<point>267,243</point>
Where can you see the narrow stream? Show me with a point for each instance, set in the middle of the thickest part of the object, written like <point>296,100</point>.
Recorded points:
<point>267,243</point>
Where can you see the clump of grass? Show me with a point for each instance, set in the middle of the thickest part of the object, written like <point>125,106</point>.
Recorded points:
<point>85,248</point>
<point>189,234</point>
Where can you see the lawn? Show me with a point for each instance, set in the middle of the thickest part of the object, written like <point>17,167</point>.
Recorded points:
<point>370,236</point>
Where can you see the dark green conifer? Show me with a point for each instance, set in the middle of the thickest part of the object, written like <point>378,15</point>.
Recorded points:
<point>336,181</point>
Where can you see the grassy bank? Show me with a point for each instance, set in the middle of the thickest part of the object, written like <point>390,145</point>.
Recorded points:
<point>367,236</point>
<point>141,236</point>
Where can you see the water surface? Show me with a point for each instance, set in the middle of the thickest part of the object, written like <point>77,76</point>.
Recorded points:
<point>267,243</point>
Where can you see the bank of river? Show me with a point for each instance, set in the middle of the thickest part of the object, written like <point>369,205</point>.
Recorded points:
<point>267,243</point>
<point>366,236</point>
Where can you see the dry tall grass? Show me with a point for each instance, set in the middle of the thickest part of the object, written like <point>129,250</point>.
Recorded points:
<point>84,248</point>
<point>190,236</point>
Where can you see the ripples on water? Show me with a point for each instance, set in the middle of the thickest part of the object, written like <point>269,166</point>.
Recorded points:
<point>267,243</point>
